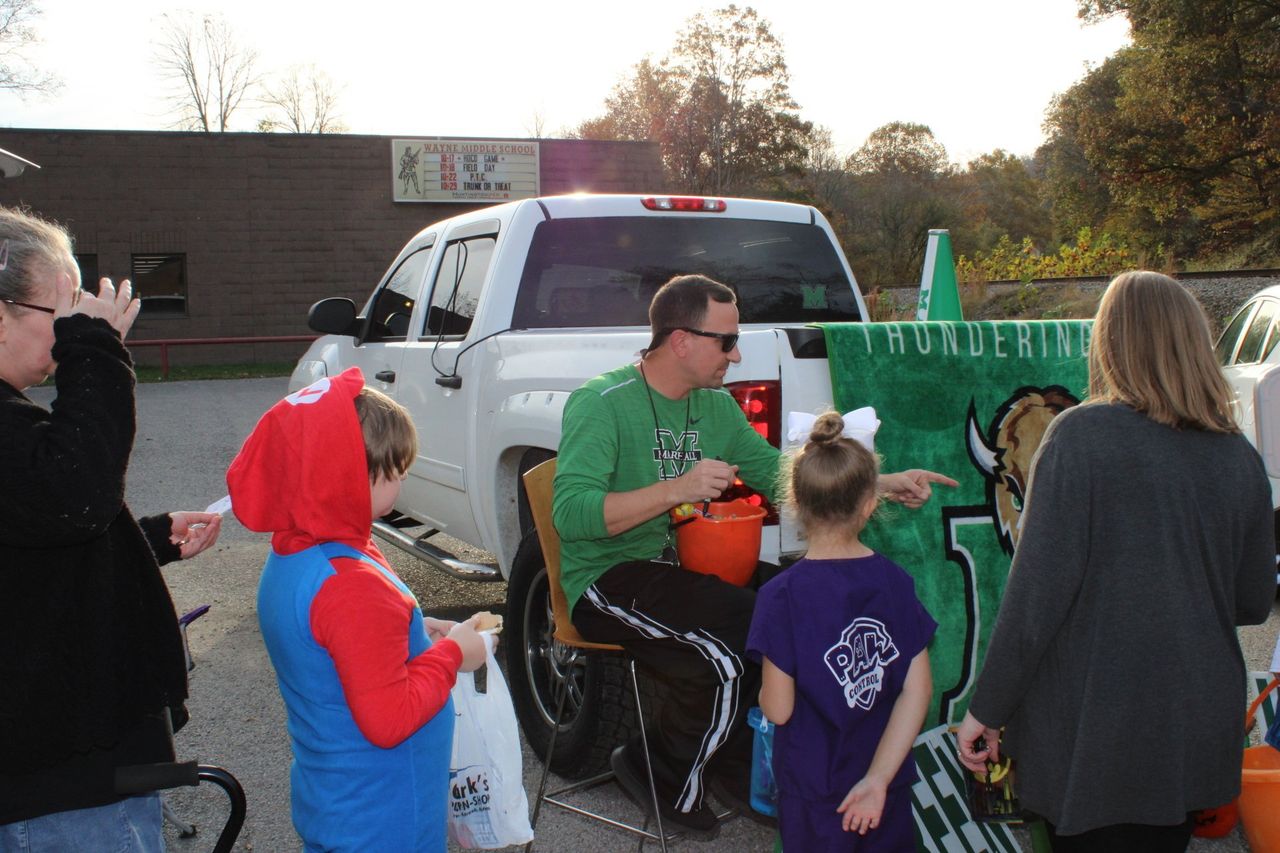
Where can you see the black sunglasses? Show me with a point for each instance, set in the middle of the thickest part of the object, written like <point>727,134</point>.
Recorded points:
<point>41,307</point>
<point>727,341</point>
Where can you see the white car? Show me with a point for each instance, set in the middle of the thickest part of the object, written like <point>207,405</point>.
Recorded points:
<point>1247,351</point>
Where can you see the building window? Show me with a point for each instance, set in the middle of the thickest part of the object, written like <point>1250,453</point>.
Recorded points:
<point>161,282</point>
<point>88,272</point>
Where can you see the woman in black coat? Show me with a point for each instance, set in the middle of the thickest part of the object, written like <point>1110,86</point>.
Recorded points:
<point>92,673</point>
<point>1147,537</point>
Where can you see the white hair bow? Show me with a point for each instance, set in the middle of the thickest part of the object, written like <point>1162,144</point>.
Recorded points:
<point>860,425</point>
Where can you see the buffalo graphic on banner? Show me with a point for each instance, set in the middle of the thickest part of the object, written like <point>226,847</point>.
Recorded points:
<point>970,400</point>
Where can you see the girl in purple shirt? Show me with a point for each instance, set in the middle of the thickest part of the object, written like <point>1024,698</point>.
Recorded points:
<point>842,641</point>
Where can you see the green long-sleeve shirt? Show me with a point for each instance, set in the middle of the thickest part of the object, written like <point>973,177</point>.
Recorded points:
<point>610,442</point>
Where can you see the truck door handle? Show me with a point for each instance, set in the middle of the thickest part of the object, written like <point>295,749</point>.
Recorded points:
<point>385,376</point>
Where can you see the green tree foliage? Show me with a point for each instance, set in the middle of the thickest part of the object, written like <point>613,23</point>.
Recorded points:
<point>719,105</point>
<point>1075,190</point>
<point>999,195</point>
<point>1183,128</point>
<point>899,190</point>
<point>1086,255</point>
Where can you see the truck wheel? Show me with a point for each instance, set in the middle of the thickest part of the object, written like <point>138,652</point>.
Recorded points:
<point>599,710</point>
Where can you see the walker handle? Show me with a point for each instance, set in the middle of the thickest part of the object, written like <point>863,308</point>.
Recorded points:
<point>145,778</point>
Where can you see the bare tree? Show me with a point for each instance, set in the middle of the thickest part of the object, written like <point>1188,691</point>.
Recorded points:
<point>211,70</point>
<point>16,35</point>
<point>536,125</point>
<point>303,100</point>
<point>825,179</point>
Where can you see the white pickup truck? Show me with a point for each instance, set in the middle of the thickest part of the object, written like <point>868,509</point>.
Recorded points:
<point>483,325</point>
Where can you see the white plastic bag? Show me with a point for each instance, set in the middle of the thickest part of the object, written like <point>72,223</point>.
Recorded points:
<point>487,804</point>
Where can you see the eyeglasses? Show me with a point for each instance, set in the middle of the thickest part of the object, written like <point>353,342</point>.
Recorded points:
<point>41,307</point>
<point>727,340</point>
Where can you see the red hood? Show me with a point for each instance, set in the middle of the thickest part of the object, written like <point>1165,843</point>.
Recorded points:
<point>302,474</point>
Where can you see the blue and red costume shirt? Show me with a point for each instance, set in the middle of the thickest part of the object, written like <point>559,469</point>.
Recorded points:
<point>367,693</point>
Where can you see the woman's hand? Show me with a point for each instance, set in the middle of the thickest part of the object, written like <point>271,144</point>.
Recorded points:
<point>970,732</point>
<point>193,532</point>
<point>117,307</point>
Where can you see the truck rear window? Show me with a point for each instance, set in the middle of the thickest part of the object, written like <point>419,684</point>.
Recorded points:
<point>604,271</point>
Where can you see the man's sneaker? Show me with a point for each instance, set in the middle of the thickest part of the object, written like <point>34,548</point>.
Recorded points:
<point>736,794</point>
<point>699,824</point>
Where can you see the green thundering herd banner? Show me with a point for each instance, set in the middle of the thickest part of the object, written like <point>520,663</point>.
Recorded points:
<point>970,400</point>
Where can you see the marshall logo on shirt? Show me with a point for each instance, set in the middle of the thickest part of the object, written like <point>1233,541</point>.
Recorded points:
<point>675,455</point>
<point>859,659</point>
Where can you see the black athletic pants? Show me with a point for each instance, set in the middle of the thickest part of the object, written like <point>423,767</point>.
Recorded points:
<point>688,630</point>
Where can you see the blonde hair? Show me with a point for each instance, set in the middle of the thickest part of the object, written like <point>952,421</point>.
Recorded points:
<point>390,440</point>
<point>832,476</point>
<point>1151,349</point>
<point>28,245</point>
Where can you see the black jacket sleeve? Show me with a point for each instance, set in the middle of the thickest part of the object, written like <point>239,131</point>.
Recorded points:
<point>157,529</point>
<point>65,469</point>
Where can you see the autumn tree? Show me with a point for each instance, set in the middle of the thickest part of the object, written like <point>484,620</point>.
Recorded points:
<point>1187,132</point>
<point>1071,184</point>
<point>999,195</point>
<point>900,191</point>
<point>210,69</point>
<point>719,105</point>
<point>17,33</point>
<point>825,183</point>
<point>639,107</point>
<point>302,100</point>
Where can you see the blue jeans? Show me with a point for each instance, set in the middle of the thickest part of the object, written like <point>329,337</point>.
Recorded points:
<point>134,825</point>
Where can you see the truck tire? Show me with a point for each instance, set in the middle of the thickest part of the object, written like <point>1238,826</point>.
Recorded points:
<point>599,710</point>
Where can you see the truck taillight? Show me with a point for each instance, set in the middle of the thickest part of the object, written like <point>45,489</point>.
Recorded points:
<point>761,402</point>
<point>686,204</point>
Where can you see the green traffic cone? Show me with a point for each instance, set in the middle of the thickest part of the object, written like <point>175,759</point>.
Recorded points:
<point>939,293</point>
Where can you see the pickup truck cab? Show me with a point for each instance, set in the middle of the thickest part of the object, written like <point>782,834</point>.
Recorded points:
<point>486,322</point>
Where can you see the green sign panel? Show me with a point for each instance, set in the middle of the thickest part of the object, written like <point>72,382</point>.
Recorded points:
<point>970,400</point>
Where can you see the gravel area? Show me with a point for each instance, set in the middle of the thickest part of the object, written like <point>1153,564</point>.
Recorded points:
<point>188,432</point>
<point>1220,296</point>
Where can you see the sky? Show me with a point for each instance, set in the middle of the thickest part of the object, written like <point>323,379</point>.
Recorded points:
<point>979,73</point>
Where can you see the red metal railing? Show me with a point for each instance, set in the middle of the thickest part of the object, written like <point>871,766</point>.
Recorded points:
<point>165,343</point>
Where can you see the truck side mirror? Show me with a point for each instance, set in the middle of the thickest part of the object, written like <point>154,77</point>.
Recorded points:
<point>1266,419</point>
<point>333,316</point>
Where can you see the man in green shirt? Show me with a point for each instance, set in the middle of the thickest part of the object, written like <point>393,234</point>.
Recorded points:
<point>635,442</point>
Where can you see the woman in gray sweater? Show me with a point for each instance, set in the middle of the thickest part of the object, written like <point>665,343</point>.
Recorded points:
<point>1148,536</point>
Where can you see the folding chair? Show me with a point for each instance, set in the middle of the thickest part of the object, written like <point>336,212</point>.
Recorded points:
<point>538,486</point>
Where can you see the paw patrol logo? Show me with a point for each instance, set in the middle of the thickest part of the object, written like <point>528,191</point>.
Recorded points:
<point>859,659</point>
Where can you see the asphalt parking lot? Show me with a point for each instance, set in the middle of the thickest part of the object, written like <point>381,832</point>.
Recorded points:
<point>187,434</point>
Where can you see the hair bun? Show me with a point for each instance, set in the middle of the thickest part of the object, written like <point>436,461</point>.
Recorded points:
<point>828,428</point>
